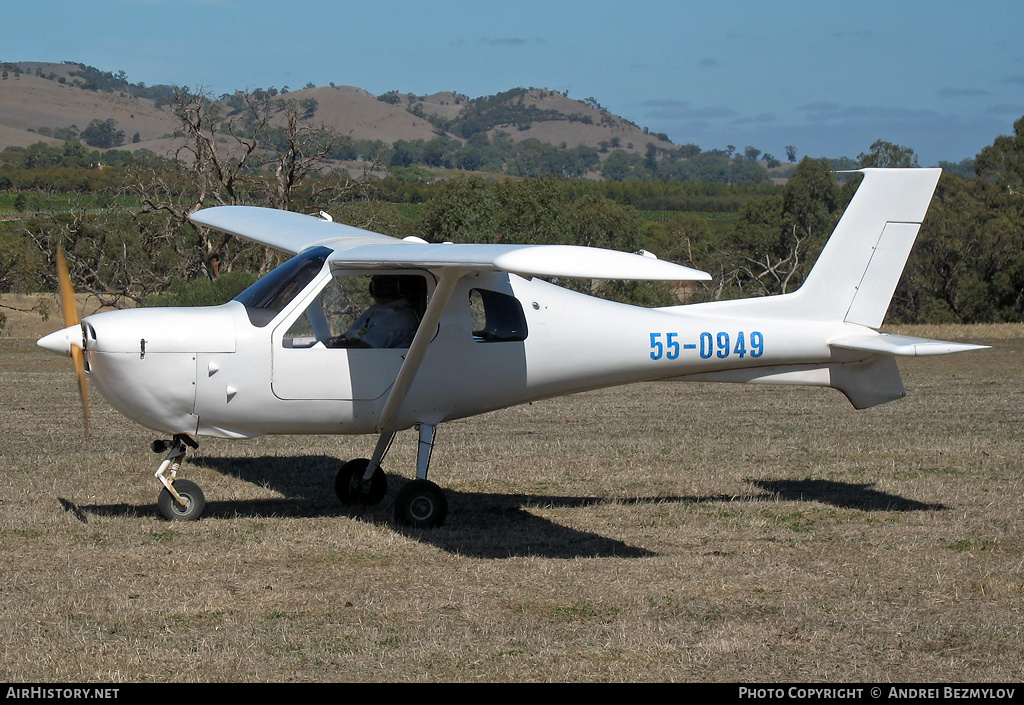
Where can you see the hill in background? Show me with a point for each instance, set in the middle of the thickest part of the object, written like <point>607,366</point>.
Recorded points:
<point>44,101</point>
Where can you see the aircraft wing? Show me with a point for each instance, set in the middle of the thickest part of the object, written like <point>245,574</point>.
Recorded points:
<point>524,260</point>
<point>282,230</point>
<point>293,232</point>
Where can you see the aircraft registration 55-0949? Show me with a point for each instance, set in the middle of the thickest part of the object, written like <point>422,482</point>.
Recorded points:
<point>361,333</point>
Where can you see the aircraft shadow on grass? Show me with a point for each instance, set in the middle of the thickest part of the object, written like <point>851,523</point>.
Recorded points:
<point>488,525</point>
<point>843,494</point>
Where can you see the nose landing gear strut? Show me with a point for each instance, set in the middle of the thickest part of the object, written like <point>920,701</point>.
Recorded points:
<point>180,500</point>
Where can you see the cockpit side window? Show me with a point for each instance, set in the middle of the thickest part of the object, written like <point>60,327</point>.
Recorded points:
<point>362,311</point>
<point>496,317</point>
<point>268,296</point>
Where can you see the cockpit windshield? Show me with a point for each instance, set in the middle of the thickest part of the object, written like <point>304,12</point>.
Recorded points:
<point>268,296</point>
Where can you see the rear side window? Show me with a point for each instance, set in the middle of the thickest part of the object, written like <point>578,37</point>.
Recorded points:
<point>496,317</point>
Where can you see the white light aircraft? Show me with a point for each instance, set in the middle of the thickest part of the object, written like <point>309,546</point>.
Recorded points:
<point>488,332</point>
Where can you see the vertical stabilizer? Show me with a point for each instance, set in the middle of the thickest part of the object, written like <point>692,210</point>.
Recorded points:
<point>861,264</point>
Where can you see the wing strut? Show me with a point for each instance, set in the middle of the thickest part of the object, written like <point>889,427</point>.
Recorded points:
<point>425,333</point>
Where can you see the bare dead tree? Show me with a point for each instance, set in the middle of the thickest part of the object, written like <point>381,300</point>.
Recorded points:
<point>302,151</point>
<point>777,270</point>
<point>254,149</point>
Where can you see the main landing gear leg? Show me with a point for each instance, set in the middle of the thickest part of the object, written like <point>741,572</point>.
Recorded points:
<point>180,500</point>
<point>421,504</point>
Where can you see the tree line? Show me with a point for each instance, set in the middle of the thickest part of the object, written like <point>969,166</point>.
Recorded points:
<point>139,247</point>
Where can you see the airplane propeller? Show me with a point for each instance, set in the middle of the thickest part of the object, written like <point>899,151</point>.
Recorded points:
<point>67,300</point>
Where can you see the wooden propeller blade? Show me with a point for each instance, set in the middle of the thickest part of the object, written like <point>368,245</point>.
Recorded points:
<point>70,308</point>
<point>79,359</point>
<point>67,292</point>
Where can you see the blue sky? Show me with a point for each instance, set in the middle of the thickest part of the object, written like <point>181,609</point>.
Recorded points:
<point>944,78</point>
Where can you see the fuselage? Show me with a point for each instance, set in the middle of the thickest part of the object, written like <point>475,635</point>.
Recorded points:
<point>234,371</point>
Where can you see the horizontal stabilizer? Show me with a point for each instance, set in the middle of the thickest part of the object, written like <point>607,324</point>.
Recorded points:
<point>902,345</point>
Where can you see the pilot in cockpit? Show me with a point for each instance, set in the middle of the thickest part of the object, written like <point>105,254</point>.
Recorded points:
<point>390,322</point>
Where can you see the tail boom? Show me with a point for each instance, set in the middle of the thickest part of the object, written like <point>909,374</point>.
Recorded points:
<point>866,383</point>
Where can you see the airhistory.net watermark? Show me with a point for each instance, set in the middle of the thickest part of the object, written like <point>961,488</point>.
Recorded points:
<point>54,693</point>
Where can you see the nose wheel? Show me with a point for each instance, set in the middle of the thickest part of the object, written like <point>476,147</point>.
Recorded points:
<point>192,497</point>
<point>179,500</point>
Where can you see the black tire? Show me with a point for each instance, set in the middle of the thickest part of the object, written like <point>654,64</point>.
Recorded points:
<point>352,489</point>
<point>421,504</point>
<point>195,502</point>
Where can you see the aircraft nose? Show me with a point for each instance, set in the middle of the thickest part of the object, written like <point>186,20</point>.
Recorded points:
<point>60,341</point>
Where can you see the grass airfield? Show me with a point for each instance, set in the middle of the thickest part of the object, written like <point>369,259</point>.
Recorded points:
<point>657,532</point>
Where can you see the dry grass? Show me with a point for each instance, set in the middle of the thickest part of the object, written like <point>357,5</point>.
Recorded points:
<point>653,533</point>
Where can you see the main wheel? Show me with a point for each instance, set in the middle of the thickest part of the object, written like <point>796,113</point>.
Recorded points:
<point>195,502</point>
<point>421,504</point>
<point>351,488</point>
